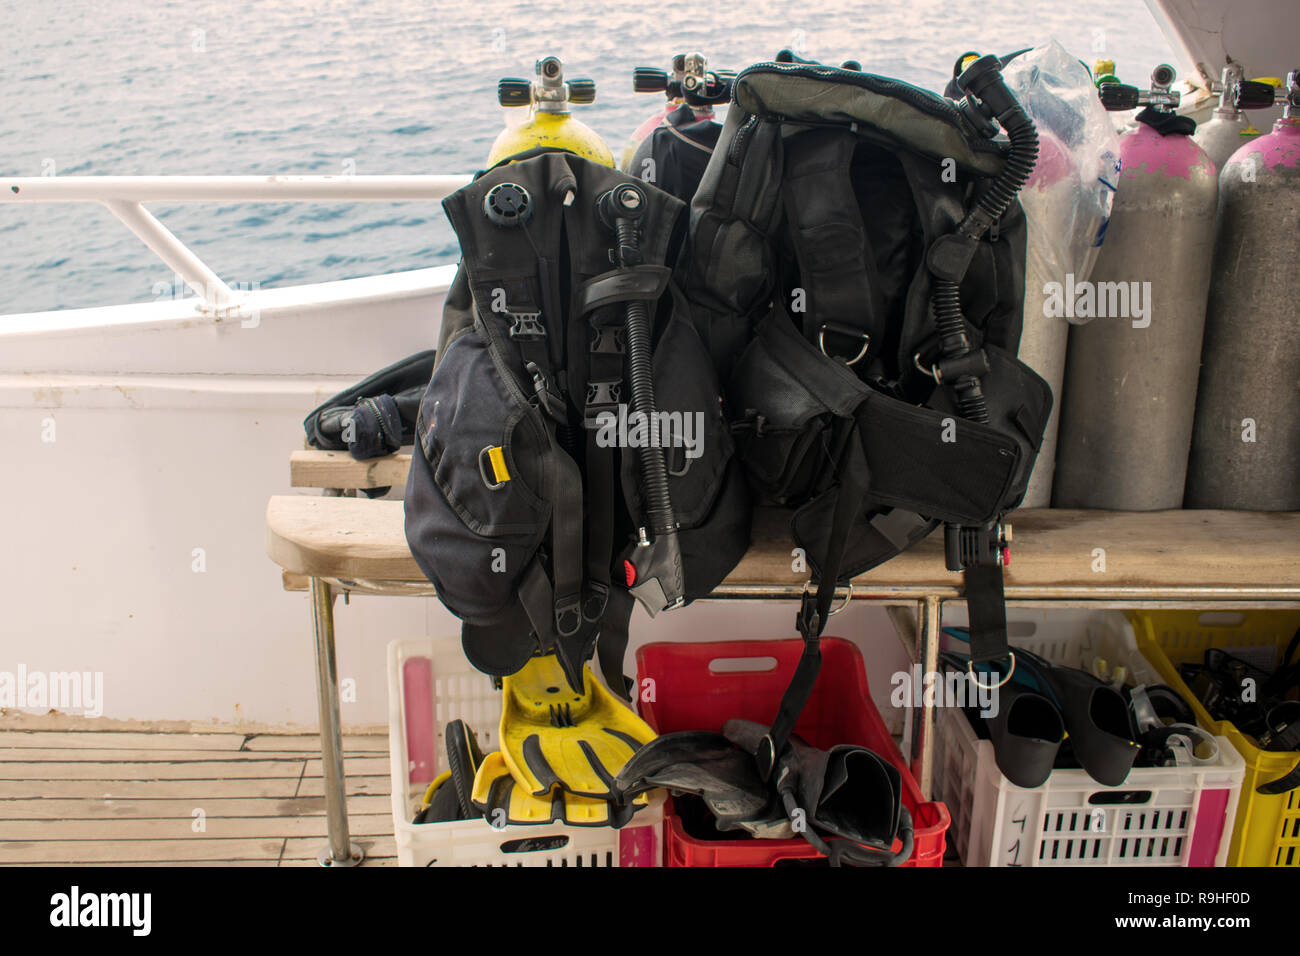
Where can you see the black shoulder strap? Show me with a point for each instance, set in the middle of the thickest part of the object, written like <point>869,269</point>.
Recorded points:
<point>844,313</point>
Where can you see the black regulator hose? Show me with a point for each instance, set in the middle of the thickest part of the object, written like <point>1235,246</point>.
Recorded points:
<point>987,91</point>
<point>621,208</point>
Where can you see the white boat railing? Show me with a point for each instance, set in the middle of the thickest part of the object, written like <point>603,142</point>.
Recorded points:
<point>124,197</point>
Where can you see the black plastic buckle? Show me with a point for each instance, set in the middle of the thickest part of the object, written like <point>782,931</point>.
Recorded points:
<point>807,620</point>
<point>568,615</point>
<point>603,397</point>
<point>608,341</point>
<point>593,605</point>
<point>527,326</point>
<point>551,403</point>
<point>966,546</point>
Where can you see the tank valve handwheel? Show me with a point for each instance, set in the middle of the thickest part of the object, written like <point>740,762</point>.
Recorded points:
<point>512,91</point>
<point>582,92</point>
<point>1253,95</point>
<point>646,79</point>
<point>508,204</point>
<point>1119,96</point>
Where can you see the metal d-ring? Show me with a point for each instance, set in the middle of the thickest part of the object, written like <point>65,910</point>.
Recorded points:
<point>843,604</point>
<point>821,342</point>
<point>932,371</point>
<point>970,669</point>
<point>484,462</point>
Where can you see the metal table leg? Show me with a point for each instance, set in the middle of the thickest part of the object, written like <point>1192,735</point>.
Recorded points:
<point>928,656</point>
<point>341,850</point>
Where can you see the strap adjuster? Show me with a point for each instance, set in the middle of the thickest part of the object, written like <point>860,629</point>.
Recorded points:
<point>551,403</point>
<point>593,605</point>
<point>807,620</point>
<point>568,615</point>
<point>527,326</point>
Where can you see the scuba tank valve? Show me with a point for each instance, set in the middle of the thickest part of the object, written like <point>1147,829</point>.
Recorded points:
<point>549,92</point>
<point>1229,127</point>
<point>691,82</point>
<point>1117,97</point>
<point>548,97</point>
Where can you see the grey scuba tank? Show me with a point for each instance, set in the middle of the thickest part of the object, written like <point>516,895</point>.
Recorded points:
<point>1131,372</point>
<point>1229,128</point>
<point>1246,446</point>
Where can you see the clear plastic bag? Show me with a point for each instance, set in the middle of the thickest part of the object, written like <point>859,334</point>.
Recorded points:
<point>1068,199</point>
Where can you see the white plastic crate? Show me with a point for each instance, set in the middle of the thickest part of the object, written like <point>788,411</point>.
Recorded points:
<point>431,683</point>
<point>1160,816</point>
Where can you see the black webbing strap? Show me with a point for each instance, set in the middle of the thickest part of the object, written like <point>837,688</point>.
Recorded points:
<point>537,598</point>
<point>816,606</point>
<point>600,527</point>
<point>986,605</point>
<point>1282,784</point>
<point>836,265</point>
<point>565,484</point>
<point>611,646</point>
<point>1283,735</point>
<point>528,330</point>
<point>603,394</point>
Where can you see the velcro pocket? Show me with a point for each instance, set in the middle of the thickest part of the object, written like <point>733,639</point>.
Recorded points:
<point>936,463</point>
<point>1019,403</point>
<point>791,394</point>
<point>783,443</point>
<point>476,503</point>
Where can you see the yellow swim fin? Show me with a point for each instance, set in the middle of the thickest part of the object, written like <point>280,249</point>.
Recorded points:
<point>502,801</point>
<point>552,736</point>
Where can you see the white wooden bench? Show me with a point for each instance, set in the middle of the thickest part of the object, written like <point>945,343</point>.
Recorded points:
<point>336,543</point>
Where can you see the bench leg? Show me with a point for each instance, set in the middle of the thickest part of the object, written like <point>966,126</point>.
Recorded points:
<point>928,655</point>
<point>341,850</point>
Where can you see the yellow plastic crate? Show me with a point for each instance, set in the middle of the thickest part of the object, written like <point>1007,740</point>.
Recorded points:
<point>1267,832</point>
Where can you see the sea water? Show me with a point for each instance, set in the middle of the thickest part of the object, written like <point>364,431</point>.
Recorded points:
<point>257,87</point>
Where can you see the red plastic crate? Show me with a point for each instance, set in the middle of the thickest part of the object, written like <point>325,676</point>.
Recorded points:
<point>702,686</point>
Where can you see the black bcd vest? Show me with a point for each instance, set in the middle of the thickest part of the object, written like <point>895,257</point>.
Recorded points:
<point>524,489</point>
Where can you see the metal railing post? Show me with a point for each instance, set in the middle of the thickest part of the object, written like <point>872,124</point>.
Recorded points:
<point>207,285</point>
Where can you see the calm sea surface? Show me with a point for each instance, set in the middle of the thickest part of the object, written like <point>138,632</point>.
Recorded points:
<point>239,87</point>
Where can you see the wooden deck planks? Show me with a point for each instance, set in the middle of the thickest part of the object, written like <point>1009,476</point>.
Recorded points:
<point>127,798</point>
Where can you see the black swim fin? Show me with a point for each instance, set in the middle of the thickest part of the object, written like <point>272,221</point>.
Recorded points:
<point>448,797</point>
<point>1096,717</point>
<point>464,757</point>
<point>1026,733</point>
<point>439,803</point>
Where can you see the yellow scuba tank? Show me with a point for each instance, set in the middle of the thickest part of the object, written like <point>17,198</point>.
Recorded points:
<point>549,122</point>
